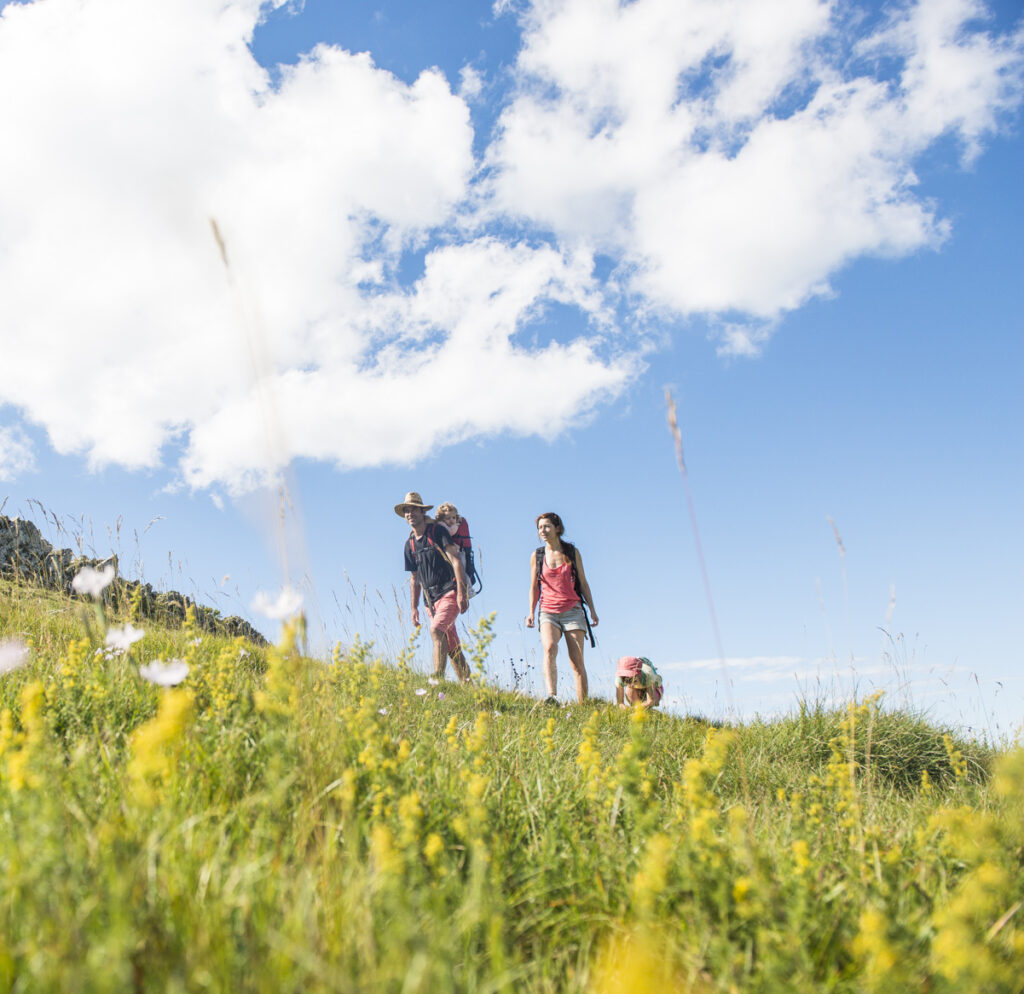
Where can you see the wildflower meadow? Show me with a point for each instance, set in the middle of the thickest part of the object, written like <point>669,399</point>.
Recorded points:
<point>180,811</point>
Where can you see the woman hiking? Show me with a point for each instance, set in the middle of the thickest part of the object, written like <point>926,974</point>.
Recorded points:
<point>558,582</point>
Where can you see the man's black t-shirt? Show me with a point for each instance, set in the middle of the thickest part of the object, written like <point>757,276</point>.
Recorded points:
<point>429,563</point>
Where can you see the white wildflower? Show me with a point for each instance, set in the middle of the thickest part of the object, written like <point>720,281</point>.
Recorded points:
<point>167,673</point>
<point>122,639</point>
<point>383,711</point>
<point>433,681</point>
<point>420,691</point>
<point>93,582</point>
<point>13,654</point>
<point>287,605</point>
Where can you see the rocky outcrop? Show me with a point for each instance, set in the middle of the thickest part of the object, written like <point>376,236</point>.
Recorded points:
<point>26,555</point>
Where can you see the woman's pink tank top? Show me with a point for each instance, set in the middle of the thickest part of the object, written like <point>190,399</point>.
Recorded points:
<point>557,593</point>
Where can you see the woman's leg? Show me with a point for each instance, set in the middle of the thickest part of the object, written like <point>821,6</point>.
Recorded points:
<point>574,643</point>
<point>549,636</point>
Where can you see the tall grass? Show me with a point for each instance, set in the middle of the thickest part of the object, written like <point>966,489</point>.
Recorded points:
<point>280,824</point>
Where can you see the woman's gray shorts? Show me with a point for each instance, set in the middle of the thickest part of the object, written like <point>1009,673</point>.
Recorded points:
<point>572,620</point>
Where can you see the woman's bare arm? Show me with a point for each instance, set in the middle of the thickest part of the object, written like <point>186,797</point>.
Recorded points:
<point>534,590</point>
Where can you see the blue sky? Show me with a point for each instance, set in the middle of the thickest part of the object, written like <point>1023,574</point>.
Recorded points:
<point>469,248</point>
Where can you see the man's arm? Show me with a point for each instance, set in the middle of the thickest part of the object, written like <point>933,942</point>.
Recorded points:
<point>414,594</point>
<point>462,586</point>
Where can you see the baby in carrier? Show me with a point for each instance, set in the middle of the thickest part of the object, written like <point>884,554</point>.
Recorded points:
<point>458,527</point>
<point>637,682</point>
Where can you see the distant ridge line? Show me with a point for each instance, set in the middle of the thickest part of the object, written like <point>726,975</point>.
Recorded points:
<point>25,555</point>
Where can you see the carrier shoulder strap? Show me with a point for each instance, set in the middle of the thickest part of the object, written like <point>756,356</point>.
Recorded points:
<point>428,534</point>
<point>569,551</point>
<point>570,555</point>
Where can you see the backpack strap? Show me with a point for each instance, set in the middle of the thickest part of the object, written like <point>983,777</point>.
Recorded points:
<point>437,547</point>
<point>570,553</point>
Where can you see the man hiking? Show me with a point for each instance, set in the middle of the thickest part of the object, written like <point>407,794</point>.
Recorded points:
<point>432,559</point>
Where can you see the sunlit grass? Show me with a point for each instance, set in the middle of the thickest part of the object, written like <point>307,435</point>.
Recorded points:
<point>274,823</point>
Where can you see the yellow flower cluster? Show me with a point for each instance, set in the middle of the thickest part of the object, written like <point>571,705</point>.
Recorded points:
<point>74,667</point>
<point>978,943</point>
<point>956,758</point>
<point>157,744</point>
<point>19,749</point>
<point>636,963</point>
<point>652,876</point>
<point>213,677</point>
<point>285,672</point>
<point>588,758</point>
<point>547,735</point>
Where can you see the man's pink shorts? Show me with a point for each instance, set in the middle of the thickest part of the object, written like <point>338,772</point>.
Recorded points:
<point>442,618</point>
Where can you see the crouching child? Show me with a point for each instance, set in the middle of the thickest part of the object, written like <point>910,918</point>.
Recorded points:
<point>637,682</point>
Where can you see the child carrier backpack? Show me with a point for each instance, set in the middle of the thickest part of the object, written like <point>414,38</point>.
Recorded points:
<point>475,584</point>
<point>464,541</point>
<point>569,551</point>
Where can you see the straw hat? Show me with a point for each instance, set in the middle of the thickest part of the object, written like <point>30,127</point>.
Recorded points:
<point>412,499</point>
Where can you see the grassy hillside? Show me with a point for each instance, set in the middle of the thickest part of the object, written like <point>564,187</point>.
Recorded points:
<point>277,824</point>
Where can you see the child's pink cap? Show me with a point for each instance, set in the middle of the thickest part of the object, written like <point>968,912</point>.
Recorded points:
<point>628,666</point>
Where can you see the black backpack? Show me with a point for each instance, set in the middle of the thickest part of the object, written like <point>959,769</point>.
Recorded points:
<point>439,549</point>
<point>569,550</point>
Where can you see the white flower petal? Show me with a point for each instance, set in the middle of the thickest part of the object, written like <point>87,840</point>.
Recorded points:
<point>433,682</point>
<point>287,605</point>
<point>420,691</point>
<point>122,639</point>
<point>13,654</point>
<point>167,673</point>
<point>93,582</point>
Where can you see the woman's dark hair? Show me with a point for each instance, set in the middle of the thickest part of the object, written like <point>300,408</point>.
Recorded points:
<point>554,519</point>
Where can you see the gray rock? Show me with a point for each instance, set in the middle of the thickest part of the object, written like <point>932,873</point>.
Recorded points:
<point>26,556</point>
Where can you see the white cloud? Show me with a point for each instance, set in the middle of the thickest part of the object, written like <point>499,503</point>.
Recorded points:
<point>730,171</point>
<point>741,161</point>
<point>762,663</point>
<point>454,336</point>
<point>126,127</point>
<point>16,455</point>
<point>471,82</point>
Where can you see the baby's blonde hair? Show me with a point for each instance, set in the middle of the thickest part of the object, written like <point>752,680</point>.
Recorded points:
<point>448,508</point>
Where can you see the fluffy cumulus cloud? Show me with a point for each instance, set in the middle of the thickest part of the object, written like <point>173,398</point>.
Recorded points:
<point>16,455</point>
<point>202,259</point>
<point>196,255</point>
<point>754,148</point>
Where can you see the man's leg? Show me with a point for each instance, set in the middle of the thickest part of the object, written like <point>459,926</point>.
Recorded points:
<point>460,664</point>
<point>442,629</point>
<point>549,636</point>
<point>439,648</point>
<point>574,643</point>
<point>440,652</point>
